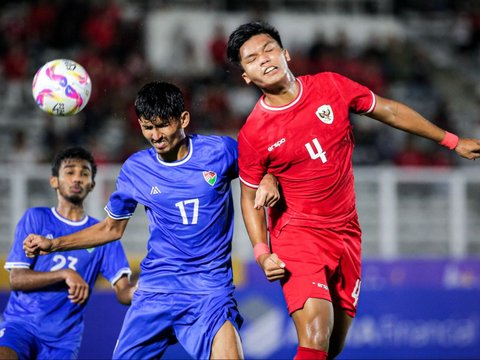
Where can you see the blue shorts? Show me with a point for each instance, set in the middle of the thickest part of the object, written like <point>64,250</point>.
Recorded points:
<point>24,340</point>
<point>156,320</point>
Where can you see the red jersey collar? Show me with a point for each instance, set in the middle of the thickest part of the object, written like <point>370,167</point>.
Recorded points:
<point>284,107</point>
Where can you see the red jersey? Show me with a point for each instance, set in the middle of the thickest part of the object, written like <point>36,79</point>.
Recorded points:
<point>307,144</point>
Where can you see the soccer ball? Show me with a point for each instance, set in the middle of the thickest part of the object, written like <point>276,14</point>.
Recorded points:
<point>61,87</point>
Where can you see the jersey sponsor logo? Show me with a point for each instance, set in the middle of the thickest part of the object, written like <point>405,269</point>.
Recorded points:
<point>277,144</point>
<point>320,285</point>
<point>210,177</point>
<point>325,114</point>
<point>155,190</point>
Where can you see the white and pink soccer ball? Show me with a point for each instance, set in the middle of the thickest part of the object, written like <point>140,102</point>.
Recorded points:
<point>61,87</point>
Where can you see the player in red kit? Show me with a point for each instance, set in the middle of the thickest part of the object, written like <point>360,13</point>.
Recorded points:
<point>300,132</point>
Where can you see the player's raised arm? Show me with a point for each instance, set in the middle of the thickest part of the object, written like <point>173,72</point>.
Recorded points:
<point>405,118</point>
<point>101,233</point>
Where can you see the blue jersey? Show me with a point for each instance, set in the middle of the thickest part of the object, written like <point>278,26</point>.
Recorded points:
<point>49,310</point>
<point>190,210</point>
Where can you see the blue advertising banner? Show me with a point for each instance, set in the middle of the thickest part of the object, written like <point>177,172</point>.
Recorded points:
<point>416,324</point>
<point>408,309</point>
<point>417,309</point>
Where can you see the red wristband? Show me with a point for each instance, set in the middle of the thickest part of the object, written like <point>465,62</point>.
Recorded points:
<point>450,140</point>
<point>260,249</point>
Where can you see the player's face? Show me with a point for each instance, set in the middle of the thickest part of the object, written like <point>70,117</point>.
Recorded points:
<point>167,137</point>
<point>74,180</point>
<point>264,62</point>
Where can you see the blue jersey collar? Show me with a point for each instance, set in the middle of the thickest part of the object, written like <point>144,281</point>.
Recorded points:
<point>179,162</point>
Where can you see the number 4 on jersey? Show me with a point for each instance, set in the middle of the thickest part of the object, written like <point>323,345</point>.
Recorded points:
<point>318,152</point>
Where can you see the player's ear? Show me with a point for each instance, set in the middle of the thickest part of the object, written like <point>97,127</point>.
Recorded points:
<point>92,185</point>
<point>54,182</point>
<point>246,78</point>
<point>286,54</point>
<point>185,119</point>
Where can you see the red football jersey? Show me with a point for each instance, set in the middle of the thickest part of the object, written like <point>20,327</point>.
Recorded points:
<point>308,146</point>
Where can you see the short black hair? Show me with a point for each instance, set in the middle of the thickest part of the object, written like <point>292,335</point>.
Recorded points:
<point>244,32</point>
<point>74,152</point>
<point>159,100</point>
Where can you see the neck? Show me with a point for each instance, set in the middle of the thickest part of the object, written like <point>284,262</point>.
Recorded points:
<point>284,93</point>
<point>73,212</point>
<point>178,153</point>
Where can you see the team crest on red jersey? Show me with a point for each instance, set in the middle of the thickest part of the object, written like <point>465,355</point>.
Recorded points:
<point>210,177</point>
<point>325,114</point>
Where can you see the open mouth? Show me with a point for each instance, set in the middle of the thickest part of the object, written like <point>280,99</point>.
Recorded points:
<point>160,145</point>
<point>269,70</point>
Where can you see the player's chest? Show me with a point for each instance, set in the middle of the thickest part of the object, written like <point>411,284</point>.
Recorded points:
<point>180,184</point>
<point>307,133</point>
<point>77,260</point>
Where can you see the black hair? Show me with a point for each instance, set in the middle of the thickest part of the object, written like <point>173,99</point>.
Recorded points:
<point>244,32</point>
<point>75,152</point>
<point>159,100</point>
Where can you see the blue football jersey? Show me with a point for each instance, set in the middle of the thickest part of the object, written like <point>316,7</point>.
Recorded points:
<point>49,309</point>
<point>190,211</point>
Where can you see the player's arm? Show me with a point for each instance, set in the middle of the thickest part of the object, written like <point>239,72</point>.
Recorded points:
<point>267,193</point>
<point>405,118</point>
<point>30,280</point>
<point>256,225</point>
<point>101,233</point>
<point>124,290</point>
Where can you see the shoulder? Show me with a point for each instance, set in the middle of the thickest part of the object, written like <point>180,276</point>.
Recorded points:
<point>36,217</point>
<point>139,157</point>
<point>214,148</point>
<point>335,83</point>
<point>216,141</point>
<point>326,76</point>
<point>38,211</point>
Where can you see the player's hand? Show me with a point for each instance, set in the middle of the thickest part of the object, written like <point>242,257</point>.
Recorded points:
<point>78,289</point>
<point>124,290</point>
<point>272,266</point>
<point>132,290</point>
<point>36,245</point>
<point>267,193</point>
<point>468,148</point>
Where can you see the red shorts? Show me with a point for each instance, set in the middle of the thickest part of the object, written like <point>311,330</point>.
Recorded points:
<point>322,263</point>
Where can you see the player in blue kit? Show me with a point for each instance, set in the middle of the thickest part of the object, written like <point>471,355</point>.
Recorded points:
<point>185,289</point>
<point>43,318</point>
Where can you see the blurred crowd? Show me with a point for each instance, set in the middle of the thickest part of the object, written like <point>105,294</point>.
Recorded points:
<point>107,37</point>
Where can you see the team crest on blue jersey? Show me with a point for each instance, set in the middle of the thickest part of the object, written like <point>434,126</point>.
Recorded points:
<point>210,177</point>
<point>325,114</point>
